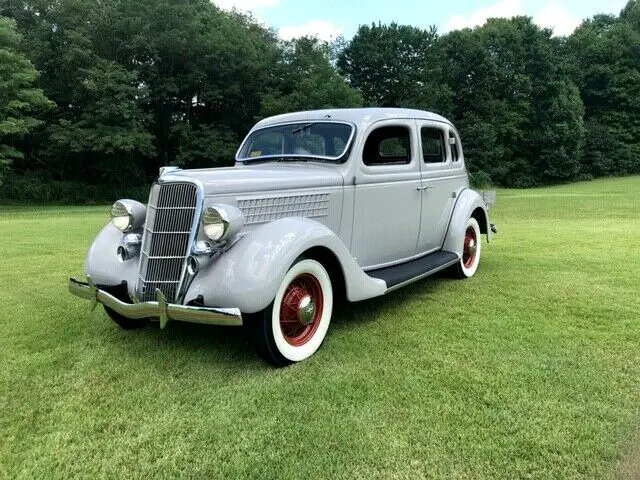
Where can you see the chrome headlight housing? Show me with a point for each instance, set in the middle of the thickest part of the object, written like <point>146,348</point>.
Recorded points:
<point>220,222</point>
<point>128,215</point>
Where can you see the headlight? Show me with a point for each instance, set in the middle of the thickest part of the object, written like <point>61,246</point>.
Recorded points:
<point>128,215</point>
<point>220,222</point>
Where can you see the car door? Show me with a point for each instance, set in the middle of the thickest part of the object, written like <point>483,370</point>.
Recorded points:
<point>386,216</point>
<point>442,175</point>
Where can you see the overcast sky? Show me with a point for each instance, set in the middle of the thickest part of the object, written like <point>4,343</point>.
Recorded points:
<point>330,18</point>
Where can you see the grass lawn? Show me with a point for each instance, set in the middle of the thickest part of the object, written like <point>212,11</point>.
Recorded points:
<point>531,369</point>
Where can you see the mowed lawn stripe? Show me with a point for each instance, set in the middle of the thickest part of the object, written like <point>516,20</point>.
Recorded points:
<point>529,370</point>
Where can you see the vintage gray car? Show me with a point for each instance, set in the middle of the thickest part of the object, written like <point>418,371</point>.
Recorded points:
<point>320,206</point>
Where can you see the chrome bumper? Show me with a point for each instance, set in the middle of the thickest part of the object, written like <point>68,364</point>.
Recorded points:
<point>160,308</point>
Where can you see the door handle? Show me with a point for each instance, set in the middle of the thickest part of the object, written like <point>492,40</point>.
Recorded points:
<point>425,187</point>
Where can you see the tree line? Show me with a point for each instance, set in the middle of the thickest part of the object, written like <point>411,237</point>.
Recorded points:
<point>100,93</point>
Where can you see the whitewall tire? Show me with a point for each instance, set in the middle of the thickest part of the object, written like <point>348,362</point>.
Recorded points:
<point>294,326</point>
<point>471,249</point>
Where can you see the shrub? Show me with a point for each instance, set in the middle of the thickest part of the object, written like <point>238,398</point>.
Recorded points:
<point>40,189</point>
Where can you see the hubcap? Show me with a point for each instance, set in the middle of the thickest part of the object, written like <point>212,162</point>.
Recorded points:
<point>301,309</point>
<point>470,247</point>
<point>306,310</point>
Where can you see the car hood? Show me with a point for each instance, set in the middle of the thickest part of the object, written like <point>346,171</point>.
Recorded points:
<point>263,177</point>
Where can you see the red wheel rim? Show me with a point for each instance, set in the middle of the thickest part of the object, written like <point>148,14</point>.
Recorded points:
<point>470,247</point>
<point>301,309</point>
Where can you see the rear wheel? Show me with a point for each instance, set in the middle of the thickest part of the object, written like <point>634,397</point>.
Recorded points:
<point>471,248</point>
<point>124,322</point>
<point>294,325</point>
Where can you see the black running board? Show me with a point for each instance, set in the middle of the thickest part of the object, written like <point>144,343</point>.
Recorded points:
<point>404,273</point>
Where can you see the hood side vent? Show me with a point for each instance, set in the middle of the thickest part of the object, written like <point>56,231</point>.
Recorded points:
<point>266,209</point>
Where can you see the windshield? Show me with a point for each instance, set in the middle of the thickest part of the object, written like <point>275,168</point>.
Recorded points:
<point>307,140</point>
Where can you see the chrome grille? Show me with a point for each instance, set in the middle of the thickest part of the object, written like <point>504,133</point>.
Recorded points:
<point>172,215</point>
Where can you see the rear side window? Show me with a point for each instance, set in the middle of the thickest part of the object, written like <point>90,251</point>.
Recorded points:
<point>433,149</point>
<point>388,146</point>
<point>455,154</point>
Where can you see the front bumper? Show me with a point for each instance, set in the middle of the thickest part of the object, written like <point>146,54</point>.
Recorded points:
<point>158,309</point>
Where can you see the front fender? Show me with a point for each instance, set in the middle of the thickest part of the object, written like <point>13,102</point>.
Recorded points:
<point>468,202</point>
<point>102,262</point>
<point>248,275</point>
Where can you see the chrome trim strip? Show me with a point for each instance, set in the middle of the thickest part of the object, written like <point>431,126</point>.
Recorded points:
<point>172,208</point>
<point>398,262</point>
<point>420,277</point>
<point>165,282</point>
<point>203,315</point>
<point>195,227</point>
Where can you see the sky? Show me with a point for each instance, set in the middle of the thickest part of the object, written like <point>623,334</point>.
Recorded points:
<point>327,19</point>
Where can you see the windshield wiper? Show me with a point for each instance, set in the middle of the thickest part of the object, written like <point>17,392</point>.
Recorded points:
<point>302,128</point>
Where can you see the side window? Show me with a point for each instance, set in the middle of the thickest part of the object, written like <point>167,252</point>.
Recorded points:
<point>455,155</point>
<point>388,146</point>
<point>433,149</point>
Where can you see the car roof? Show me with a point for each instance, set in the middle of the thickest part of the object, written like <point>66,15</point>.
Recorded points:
<point>361,117</point>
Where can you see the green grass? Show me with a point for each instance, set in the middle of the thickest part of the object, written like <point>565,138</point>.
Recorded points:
<point>529,370</point>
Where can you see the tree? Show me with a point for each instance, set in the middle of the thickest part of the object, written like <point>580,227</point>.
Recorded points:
<point>58,37</point>
<point>187,70</point>
<point>560,130</point>
<point>20,102</point>
<point>514,102</point>
<point>153,82</point>
<point>631,14</point>
<point>305,80</point>
<point>108,124</point>
<point>605,56</point>
<point>396,66</point>
<point>206,70</point>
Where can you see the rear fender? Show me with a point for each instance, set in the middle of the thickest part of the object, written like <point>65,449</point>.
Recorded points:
<point>470,203</point>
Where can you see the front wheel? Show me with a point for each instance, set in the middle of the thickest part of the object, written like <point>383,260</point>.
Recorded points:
<point>471,248</point>
<point>294,326</point>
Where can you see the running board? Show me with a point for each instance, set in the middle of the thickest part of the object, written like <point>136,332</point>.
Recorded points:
<point>400,275</point>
